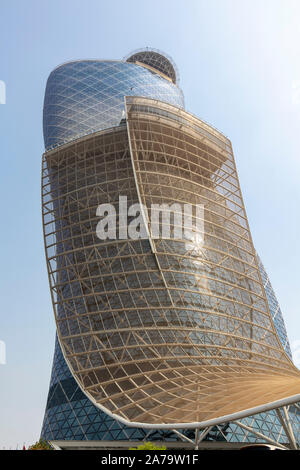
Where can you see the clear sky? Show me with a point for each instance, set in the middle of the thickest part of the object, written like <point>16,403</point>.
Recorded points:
<point>239,62</point>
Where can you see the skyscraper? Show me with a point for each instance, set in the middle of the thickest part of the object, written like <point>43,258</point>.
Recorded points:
<point>155,332</point>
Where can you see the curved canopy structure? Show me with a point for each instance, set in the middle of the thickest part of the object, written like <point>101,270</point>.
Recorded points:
<point>156,60</point>
<point>161,332</point>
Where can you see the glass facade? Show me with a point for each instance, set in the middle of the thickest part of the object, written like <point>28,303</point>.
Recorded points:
<point>128,287</point>
<point>275,310</point>
<point>86,96</point>
<point>156,61</point>
<point>70,415</point>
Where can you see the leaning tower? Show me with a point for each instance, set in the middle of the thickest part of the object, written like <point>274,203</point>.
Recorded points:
<point>156,337</point>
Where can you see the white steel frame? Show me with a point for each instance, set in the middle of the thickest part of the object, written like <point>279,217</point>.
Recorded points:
<point>161,375</point>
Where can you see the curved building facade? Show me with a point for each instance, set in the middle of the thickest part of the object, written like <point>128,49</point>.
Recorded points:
<point>149,326</point>
<point>86,96</point>
<point>70,415</point>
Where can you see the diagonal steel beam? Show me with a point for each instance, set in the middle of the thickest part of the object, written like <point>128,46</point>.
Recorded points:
<point>286,424</point>
<point>259,434</point>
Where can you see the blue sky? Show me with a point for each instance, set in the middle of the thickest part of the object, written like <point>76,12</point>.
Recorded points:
<point>240,70</point>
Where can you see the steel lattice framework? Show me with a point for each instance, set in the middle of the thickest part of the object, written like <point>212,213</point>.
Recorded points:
<point>160,332</point>
<point>157,61</point>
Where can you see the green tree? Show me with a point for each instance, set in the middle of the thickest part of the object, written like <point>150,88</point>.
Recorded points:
<point>40,445</point>
<point>148,446</point>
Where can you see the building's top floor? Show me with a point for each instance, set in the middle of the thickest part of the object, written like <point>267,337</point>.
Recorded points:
<point>85,96</point>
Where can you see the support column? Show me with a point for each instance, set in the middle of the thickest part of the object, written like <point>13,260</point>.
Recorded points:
<point>286,424</point>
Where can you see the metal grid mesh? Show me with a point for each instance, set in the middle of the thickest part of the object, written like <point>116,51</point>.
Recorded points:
<point>70,415</point>
<point>86,96</point>
<point>157,60</point>
<point>149,328</point>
